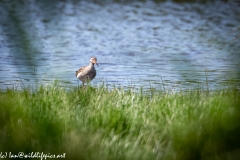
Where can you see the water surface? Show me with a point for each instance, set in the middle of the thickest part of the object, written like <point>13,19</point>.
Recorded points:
<point>137,43</point>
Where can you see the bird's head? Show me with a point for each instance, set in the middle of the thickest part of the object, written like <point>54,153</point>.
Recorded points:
<point>94,60</point>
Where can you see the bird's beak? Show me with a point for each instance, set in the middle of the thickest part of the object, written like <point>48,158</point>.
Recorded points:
<point>96,64</point>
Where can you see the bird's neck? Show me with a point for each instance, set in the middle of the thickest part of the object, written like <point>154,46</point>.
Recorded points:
<point>91,64</point>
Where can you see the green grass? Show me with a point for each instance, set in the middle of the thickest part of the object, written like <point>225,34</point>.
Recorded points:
<point>97,123</point>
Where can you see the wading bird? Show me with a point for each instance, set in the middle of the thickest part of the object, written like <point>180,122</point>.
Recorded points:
<point>87,73</point>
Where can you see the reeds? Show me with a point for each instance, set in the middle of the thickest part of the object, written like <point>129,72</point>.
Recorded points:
<point>98,123</point>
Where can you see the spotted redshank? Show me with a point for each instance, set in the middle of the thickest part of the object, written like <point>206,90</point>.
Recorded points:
<point>87,73</point>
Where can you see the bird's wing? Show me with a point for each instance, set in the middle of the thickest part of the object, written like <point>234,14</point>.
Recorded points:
<point>80,70</point>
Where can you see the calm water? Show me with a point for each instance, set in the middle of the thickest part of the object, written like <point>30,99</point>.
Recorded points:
<point>136,43</point>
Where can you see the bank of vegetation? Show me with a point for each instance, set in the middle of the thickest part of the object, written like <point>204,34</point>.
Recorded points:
<point>98,123</point>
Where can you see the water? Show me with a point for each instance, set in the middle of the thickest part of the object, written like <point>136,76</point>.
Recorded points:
<point>137,43</point>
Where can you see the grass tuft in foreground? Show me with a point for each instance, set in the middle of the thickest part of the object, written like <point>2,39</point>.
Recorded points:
<point>95,123</point>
